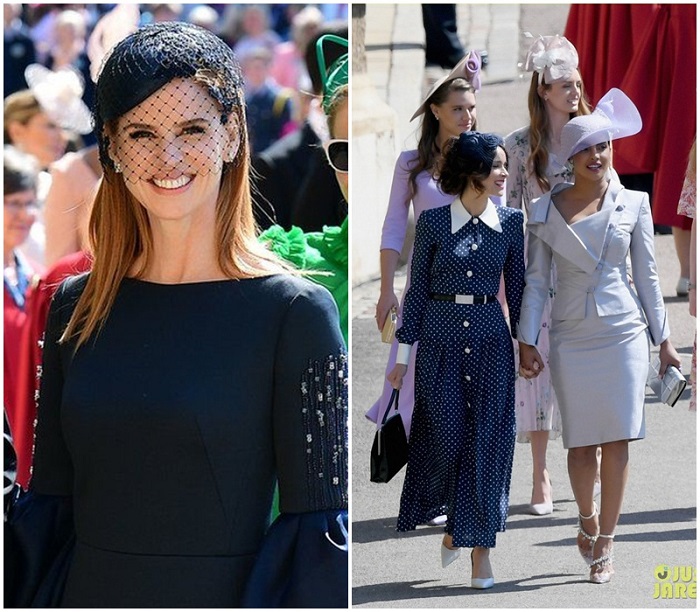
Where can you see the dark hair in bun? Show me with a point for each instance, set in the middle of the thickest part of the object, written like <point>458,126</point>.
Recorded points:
<point>467,160</point>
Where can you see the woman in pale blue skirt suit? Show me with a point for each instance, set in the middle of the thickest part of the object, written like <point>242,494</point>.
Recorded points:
<point>601,322</point>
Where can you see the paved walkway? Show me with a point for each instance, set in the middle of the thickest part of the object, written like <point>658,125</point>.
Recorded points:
<point>535,563</point>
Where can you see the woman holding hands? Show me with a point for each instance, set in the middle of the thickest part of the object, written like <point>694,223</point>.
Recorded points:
<point>601,326</point>
<point>461,445</point>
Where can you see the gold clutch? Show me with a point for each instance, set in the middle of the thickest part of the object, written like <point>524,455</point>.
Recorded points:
<point>389,328</point>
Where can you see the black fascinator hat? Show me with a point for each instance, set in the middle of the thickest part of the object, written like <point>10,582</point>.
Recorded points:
<point>154,55</point>
<point>478,149</point>
<point>467,159</point>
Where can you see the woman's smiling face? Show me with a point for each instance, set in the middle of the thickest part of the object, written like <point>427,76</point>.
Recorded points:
<point>171,149</point>
<point>495,183</point>
<point>593,162</point>
<point>564,95</point>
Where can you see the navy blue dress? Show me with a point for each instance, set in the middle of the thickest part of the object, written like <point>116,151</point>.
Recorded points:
<point>169,429</point>
<point>463,432</point>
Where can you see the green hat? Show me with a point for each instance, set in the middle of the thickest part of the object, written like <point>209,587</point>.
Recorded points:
<point>337,75</point>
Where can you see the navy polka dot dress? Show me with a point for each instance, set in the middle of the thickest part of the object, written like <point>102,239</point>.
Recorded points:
<point>463,432</point>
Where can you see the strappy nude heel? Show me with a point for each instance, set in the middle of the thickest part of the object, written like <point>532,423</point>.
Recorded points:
<point>587,550</point>
<point>602,567</point>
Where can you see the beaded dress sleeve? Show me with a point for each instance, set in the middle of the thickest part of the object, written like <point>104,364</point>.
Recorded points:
<point>53,467</point>
<point>44,516</point>
<point>303,561</point>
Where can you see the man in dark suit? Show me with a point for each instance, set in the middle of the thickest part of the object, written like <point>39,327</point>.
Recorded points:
<point>18,48</point>
<point>292,181</point>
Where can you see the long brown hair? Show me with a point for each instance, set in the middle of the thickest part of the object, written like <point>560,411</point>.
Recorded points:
<point>539,128</point>
<point>427,151</point>
<point>120,237</point>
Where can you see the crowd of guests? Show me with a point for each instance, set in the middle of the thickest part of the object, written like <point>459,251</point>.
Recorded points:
<point>579,284</point>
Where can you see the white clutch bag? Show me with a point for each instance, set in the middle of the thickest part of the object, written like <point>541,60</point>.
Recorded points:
<point>669,388</point>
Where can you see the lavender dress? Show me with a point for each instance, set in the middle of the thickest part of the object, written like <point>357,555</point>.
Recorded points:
<point>428,195</point>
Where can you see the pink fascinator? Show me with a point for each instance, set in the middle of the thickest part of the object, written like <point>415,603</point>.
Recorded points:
<point>614,117</point>
<point>469,68</point>
<point>552,57</point>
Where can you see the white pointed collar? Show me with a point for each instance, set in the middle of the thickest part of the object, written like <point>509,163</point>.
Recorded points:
<point>460,216</point>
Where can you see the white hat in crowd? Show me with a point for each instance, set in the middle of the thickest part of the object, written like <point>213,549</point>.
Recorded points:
<point>59,94</point>
<point>552,57</point>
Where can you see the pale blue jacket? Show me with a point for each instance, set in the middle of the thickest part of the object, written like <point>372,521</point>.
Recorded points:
<point>593,264</point>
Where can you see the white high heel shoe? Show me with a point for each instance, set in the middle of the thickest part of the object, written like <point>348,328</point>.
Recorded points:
<point>544,508</point>
<point>481,583</point>
<point>448,555</point>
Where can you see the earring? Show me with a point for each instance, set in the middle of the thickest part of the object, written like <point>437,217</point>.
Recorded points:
<point>436,117</point>
<point>117,167</point>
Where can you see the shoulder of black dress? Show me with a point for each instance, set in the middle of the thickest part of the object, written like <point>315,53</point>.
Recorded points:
<point>73,286</point>
<point>287,288</point>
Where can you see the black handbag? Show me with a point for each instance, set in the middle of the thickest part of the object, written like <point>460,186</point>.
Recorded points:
<point>390,447</point>
<point>39,540</point>
<point>39,545</point>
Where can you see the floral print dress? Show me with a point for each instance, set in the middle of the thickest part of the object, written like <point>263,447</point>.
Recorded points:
<point>536,407</point>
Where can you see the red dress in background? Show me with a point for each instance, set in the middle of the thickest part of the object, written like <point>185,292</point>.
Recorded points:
<point>29,357</point>
<point>661,82</point>
<point>607,38</point>
<point>14,323</point>
<point>649,52</point>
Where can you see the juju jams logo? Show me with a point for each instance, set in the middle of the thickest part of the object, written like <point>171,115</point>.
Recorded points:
<point>675,582</point>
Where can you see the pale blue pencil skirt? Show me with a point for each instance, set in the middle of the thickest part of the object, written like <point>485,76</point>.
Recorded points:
<point>599,372</point>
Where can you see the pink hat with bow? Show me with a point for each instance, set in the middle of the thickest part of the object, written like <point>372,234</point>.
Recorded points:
<point>552,57</point>
<point>469,68</point>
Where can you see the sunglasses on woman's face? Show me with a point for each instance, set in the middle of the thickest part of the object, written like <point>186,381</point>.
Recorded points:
<point>337,154</point>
